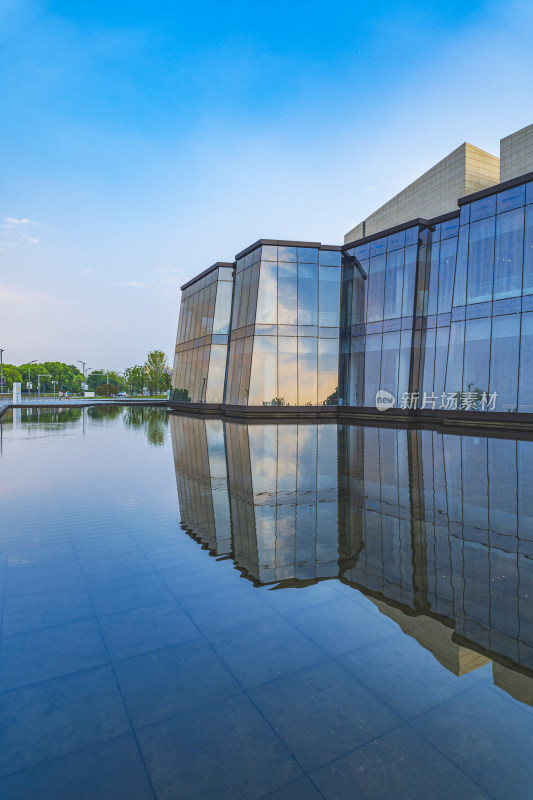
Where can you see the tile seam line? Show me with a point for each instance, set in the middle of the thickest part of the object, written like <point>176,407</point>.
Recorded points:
<point>119,688</point>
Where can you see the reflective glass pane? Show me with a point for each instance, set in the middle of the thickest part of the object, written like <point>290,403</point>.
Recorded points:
<point>307,294</point>
<point>483,208</point>
<point>459,290</point>
<point>405,362</point>
<point>477,355</point>
<point>376,288</point>
<point>409,280</point>
<point>504,361</point>
<point>528,252</point>
<point>287,253</point>
<point>509,254</point>
<point>433,288</point>
<point>427,358</point>
<point>269,252</point>
<point>328,376</point>
<point>307,371</point>
<point>454,367</point>
<point>307,255</point>
<point>329,288</point>
<point>244,296</point>
<point>267,298</point>
<point>217,370</point>
<point>448,249</point>
<point>390,360</point>
<point>287,371</point>
<point>236,301</point>
<point>329,258</point>
<point>394,284</point>
<point>441,356</point>
<point>264,373</point>
<point>372,368</point>
<point>287,294</point>
<point>511,198</point>
<point>252,300</point>
<point>481,261</point>
<point>525,394</point>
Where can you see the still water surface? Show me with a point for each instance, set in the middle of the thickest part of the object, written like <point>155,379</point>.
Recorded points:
<point>204,609</point>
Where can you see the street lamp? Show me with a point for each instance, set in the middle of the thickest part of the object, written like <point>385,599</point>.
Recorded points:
<point>29,378</point>
<point>54,384</point>
<point>83,371</point>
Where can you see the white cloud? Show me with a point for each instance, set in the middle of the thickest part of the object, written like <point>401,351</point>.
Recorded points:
<point>31,239</point>
<point>22,297</point>
<point>15,221</point>
<point>136,284</point>
<point>6,247</point>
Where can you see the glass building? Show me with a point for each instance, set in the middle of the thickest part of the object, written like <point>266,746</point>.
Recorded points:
<point>434,315</point>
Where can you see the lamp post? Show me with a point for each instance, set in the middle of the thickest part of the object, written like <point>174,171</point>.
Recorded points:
<point>83,372</point>
<point>54,384</point>
<point>29,378</point>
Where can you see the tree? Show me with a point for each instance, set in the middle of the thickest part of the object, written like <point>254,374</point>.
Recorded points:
<point>11,375</point>
<point>107,390</point>
<point>134,379</point>
<point>156,371</point>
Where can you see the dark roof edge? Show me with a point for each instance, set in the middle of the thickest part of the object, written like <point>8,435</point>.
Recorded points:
<point>403,226</point>
<point>286,243</point>
<point>498,187</point>
<point>212,268</point>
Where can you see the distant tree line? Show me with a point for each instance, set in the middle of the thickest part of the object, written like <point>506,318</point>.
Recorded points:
<point>153,375</point>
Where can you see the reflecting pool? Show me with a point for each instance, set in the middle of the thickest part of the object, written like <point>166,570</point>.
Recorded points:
<point>199,608</point>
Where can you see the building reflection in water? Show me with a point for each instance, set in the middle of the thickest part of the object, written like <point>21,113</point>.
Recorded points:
<point>435,528</point>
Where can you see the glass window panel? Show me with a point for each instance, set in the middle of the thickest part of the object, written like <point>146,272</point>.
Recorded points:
<point>509,254</point>
<point>217,370</point>
<point>378,246</point>
<point>372,368</point>
<point>528,252</point>
<point>307,294</point>
<point>267,298</point>
<point>362,252</point>
<point>511,198</point>
<point>405,362</point>
<point>269,252</point>
<point>483,208</point>
<point>459,290</point>
<point>409,280</point>
<point>287,294</point>
<point>248,259</point>
<point>525,394</point>
<point>441,355</point>
<point>394,284</point>
<point>236,301</point>
<point>454,367</point>
<point>396,240</point>
<point>464,215</point>
<point>411,236</point>
<point>244,383</point>
<point>481,261</point>
<point>264,373</point>
<point>448,249</point>
<point>329,258</point>
<point>435,233</point>
<point>307,255</point>
<point>287,253</point>
<point>223,307</point>
<point>376,288</point>
<point>433,288</point>
<point>252,300</point>
<point>477,355</point>
<point>287,371</point>
<point>358,299</point>
<point>428,359</point>
<point>504,361</point>
<point>245,294</point>
<point>450,228</point>
<point>390,362</point>
<point>329,289</point>
<point>307,371</point>
<point>328,376</point>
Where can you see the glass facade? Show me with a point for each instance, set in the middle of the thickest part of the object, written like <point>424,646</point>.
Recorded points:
<point>200,359</point>
<point>437,315</point>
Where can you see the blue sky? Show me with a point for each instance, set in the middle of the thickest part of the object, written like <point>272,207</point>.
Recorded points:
<point>141,142</point>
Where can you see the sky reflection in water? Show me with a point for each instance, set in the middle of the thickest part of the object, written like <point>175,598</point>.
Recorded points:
<point>357,621</point>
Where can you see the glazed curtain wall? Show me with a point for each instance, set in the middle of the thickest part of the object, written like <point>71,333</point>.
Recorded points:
<point>378,307</point>
<point>285,328</point>
<point>202,339</point>
<point>478,328</point>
